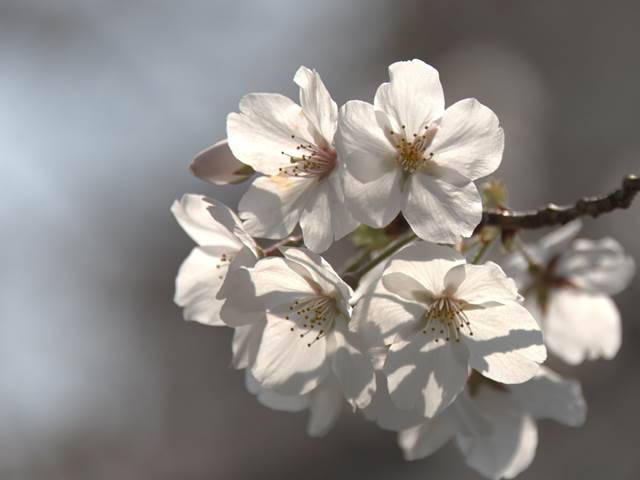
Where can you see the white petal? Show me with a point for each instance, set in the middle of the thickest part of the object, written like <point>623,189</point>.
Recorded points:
<point>197,283</point>
<point>581,326</point>
<point>325,407</point>
<point>406,287</point>
<point>597,266</point>
<point>245,344</point>
<point>193,215</point>
<point>469,418</point>
<point>362,145</point>
<point>469,139</point>
<point>425,376</point>
<point>273,400</point>
<point>368,282</point>
<point>548,395</point>
<point>377,202</point>
<point>549,246</point>
<point>225,216</point>
<point>384,412</point>
<point>232,316</point>
<point>381,316</point>
<point>316,102</point>
<point>413,96</point>
<point>321,273</point>
<point>271,206</point>
<point>371,173</point>
<point>486,283</point>
<point>559,239</point>
<point>439,211</point>
<point>235,275</point>
<point>315,219</point>
<point>241,306</point>
<point>526,446</point>
<point>276,284</point>
<point>428,437</point>
<point>506,345</point>
<point>262,131</point>
<point>285,362</point>
<point>426,263</point>
<point>552,244</point>
<point>351,366</point>
<point>216,164</point>
<point>509,448</point>
<point>342,222</point>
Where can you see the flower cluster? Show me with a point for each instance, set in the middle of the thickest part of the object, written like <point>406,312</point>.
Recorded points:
<point>432,344</point>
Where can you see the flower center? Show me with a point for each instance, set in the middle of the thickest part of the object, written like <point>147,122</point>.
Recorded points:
<point>314,316</point>
<point>413,155</point>
<point>312,162</point>
<point>545,279</point>
<point>445,318</point>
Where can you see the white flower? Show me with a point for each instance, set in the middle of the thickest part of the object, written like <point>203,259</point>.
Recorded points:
<point>439,316</point>
<point>216,164</point>
<point>306,339</point>
<point>293,147</point>
<point>407,153</point>
<point>495,426</point>
<point>323,402</point>
<point>568,290</point>
<point>223,246</point>
<point>385,413</point>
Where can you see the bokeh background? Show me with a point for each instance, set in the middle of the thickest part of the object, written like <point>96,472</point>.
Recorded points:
<point>102,106</point>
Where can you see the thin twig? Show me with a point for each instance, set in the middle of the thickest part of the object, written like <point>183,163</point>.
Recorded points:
<point>481,252</point>
<point>358,260</point>
<point>352,278</point>
<point>291,240</point>
<point>555,215</point>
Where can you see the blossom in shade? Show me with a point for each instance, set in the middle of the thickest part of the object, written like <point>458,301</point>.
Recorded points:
<point>323,402</point>
<point>439,317</point>
<point>306,339</point>
<point>407,153</point>
<point>223,247</point>
<point>292,146</point>
<point>567,283</point>
<point>495,425</point>
<point>216,164</point>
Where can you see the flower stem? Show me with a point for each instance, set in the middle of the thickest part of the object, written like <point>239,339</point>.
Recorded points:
<point>292,240</point>
<point>481,252</point>
<point>522,250</point>
<point>359,261</point>
<point>353,277</point>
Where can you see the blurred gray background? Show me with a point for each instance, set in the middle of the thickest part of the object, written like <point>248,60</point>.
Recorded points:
<point>102,106</point>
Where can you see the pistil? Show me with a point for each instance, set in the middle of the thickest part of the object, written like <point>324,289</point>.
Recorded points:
<point>445,318</point>
<point>412,154</point>
<point>313,161</point>
<point>313,314</point>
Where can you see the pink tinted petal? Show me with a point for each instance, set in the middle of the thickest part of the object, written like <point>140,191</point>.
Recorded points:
<point>217,164</point>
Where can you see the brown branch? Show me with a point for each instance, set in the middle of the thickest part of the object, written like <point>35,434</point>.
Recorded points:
<point>555,215</point>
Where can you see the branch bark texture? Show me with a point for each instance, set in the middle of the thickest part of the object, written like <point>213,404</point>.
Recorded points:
<point>556,215</point>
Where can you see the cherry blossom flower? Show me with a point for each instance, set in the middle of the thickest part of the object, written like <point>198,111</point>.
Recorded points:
<point>323,402</point>
<point>495,426</point>
<point>568,286</point>
<point>223,246</point>
<point>216,164</point>
<point>407,153</point>
<point>292,146</point>
<point>306,338</point>
<point>439,317</point>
